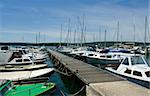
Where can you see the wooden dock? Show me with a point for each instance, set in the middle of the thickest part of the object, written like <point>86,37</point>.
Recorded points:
<point>97,80</point>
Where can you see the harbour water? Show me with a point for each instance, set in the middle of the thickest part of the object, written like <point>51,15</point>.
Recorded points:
<point>61,90</point>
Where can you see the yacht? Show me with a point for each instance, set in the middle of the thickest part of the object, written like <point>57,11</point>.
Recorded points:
<point>17,58</point>
<point>64,49</point>
<point>105,58</point>
<point>134,68</point>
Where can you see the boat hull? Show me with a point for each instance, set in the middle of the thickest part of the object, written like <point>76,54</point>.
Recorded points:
<point>21,68</point>
<point>25,63</point>
<point>134,80</point>
<point>97,61</point>
<point>24,75</point>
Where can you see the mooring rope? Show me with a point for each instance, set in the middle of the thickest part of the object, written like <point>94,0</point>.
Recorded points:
<point>78,91</point>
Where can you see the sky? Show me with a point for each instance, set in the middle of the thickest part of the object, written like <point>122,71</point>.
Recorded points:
<point>22,20</point>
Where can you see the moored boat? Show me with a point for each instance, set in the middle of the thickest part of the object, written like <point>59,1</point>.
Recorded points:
<point>7,88</point>
<point>134,68</point>
<point>23,75</point>
<point>7,68</point>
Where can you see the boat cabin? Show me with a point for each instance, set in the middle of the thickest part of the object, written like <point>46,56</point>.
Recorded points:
<point>135,66</point>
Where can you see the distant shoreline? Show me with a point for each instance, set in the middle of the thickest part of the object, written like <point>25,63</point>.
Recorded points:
<point>109,43</point>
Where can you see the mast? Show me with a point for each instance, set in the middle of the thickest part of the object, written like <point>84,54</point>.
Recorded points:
<point>74,36</point>
<point>61,35</point>
<point>36,38</point>
<point>105,37</point>
<point>39,37</point>
<point>68,33</point>
<point>99,33</point>
<point>118,32</point>
<point>145,31</point>
<point>84,34</point>
<point>82,29</point>
<point>134,33</point>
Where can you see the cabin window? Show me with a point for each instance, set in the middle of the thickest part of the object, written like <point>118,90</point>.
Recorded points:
<point>128,71</point>
<point>24,51</point>
<point>102,56</point>
<point>19,60</point>
<point>26,60</point>
<point>126,62</point>
<point>90,55</point>
<point>21,52</point>
<point>147,73</point>
<point>137,73</point>
<point>137,60</point>
<point>108,56</point>
<point>81,53</point>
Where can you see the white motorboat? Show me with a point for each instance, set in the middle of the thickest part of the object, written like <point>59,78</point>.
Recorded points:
<point>8,68</point>
<point>24,75</point>
<point>21,60</point>
<point>134,68</point>
<point>64,49</point>
<point>105,58</point>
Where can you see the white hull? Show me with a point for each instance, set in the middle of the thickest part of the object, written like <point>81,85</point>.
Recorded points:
<point>23,75</point>
<point>7,68</point>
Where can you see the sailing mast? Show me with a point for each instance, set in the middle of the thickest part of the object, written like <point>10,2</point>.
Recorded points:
<point>68,33</point>
<point>36,38</point>
<point>60,35</point>
<point>145,31</point>
<point>74,36</point>
<point>118,26</point>
<point>134,33</point>
<point>99,34</point>
<point>105,37</point>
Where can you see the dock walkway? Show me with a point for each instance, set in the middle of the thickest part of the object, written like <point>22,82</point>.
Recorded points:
<point>97,80</point>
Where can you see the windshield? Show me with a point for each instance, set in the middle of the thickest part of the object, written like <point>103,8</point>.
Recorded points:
<point>137,60</point>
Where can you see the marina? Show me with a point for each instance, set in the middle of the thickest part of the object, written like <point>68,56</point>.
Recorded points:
<point>72,74</point>
<point>74,48</point>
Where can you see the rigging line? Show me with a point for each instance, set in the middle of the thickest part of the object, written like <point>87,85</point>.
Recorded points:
<point>61,92</point>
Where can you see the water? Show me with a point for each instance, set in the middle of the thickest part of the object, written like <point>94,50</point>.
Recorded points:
<point>56,78</point>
